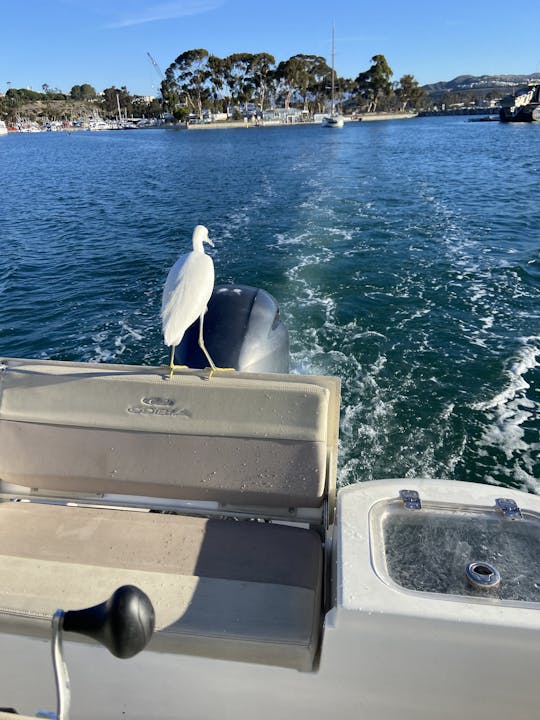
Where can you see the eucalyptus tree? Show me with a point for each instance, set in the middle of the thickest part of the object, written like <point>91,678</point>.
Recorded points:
<point>170,96</point>
<point>375,82</point>
<point>83,92</point>
<point>305,80</point>
<point>302,76</point>
<point>344,90</point>
<point>319,88</point>
<point>313,75</point>
<point>220,81</point>
<point>188,77</point>
<point>409,91</point>
<point>113,97</point>
<point>240,76</point>
<point>285,80</point>
<point>262,73</point>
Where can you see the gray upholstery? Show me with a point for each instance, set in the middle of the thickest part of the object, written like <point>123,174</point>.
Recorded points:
<point>240,590</point>
<point>236,471</point>
<point>239,440</point>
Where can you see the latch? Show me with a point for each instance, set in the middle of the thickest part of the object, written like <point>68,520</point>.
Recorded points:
<point>508,507</point>
<point>411,499</point>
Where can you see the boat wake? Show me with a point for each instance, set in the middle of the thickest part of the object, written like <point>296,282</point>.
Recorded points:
<point>416,283</point>
<point>419,337</point>
<point>512,421</point>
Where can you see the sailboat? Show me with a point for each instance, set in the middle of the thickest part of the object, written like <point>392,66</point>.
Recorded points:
<point>333,120</point>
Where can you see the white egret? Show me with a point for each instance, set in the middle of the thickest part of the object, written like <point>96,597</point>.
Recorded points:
<point>186,294</point>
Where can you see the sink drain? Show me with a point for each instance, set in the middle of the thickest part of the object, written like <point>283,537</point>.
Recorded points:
<point>483,575</point>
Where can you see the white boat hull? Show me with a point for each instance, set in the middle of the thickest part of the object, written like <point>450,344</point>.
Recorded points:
<point>387,653</point>
<point>332,121</point>
<point>382,633</point>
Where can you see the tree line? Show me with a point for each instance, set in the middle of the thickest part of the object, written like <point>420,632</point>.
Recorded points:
<point>197,81</point>
<point>55,104</point>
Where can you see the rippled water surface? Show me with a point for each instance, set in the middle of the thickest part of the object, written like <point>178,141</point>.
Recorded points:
<point>405,256</point>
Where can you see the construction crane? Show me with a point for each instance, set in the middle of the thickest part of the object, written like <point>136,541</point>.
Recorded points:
<point>156,66</point>
<point>167,102</point>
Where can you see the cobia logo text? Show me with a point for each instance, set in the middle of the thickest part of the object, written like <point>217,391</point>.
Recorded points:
<point>158,406</point>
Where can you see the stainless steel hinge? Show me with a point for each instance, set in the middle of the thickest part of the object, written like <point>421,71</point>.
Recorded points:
<point>508,507</point>
<point>411,499</point>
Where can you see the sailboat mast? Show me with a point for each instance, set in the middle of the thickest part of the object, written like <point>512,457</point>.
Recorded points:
<point>333,119</point>
<point>333,73</point>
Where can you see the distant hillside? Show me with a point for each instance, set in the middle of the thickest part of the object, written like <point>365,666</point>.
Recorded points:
<point>468,83</point>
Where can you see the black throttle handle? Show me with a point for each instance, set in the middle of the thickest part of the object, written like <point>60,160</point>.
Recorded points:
<point>124,623</point>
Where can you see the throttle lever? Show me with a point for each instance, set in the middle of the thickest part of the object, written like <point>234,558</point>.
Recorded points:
<point>124,623</point>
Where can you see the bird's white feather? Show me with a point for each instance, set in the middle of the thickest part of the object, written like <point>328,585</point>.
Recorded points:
<point>186,294</point>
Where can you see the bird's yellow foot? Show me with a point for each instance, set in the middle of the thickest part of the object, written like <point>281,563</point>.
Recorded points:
<point>214,369</point>
<point>172,368</point>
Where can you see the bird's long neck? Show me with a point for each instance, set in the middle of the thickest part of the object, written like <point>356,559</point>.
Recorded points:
<point>198,245</point>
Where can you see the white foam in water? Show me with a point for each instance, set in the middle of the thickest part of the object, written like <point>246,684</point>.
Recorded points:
<point>131,332</point>
<point>509,411</point>
<point>526,360</point>
<point>373,441</point>
<point>400,413</point>
<point>364,420</point>
<point>109,345</point>
<point>101,354</point>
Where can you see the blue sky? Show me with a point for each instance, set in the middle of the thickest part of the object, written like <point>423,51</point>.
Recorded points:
<point>104,42</point>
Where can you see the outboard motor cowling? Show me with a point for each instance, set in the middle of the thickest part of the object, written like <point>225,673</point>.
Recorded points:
<point>242,330</point>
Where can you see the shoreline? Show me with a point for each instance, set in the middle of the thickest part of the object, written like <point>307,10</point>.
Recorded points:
<point>371,117</point>
<point>219,125</point>
<point>236,124</point>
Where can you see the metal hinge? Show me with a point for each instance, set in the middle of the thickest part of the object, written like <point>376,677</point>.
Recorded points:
<point>411,499</point>
<point>508,507</point>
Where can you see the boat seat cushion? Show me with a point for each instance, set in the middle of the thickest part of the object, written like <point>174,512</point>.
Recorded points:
<point>240,590</point>
<point>243,440</point>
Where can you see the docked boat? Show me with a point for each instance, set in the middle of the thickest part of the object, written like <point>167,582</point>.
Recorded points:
<point>523,105</point>
<point>98,125</point>
<point>3,128</point>
<point>206,509</point>
<point>334,119</point>
<point>28,126</point>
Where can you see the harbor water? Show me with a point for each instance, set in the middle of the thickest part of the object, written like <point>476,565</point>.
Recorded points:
<point>405,256</point>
